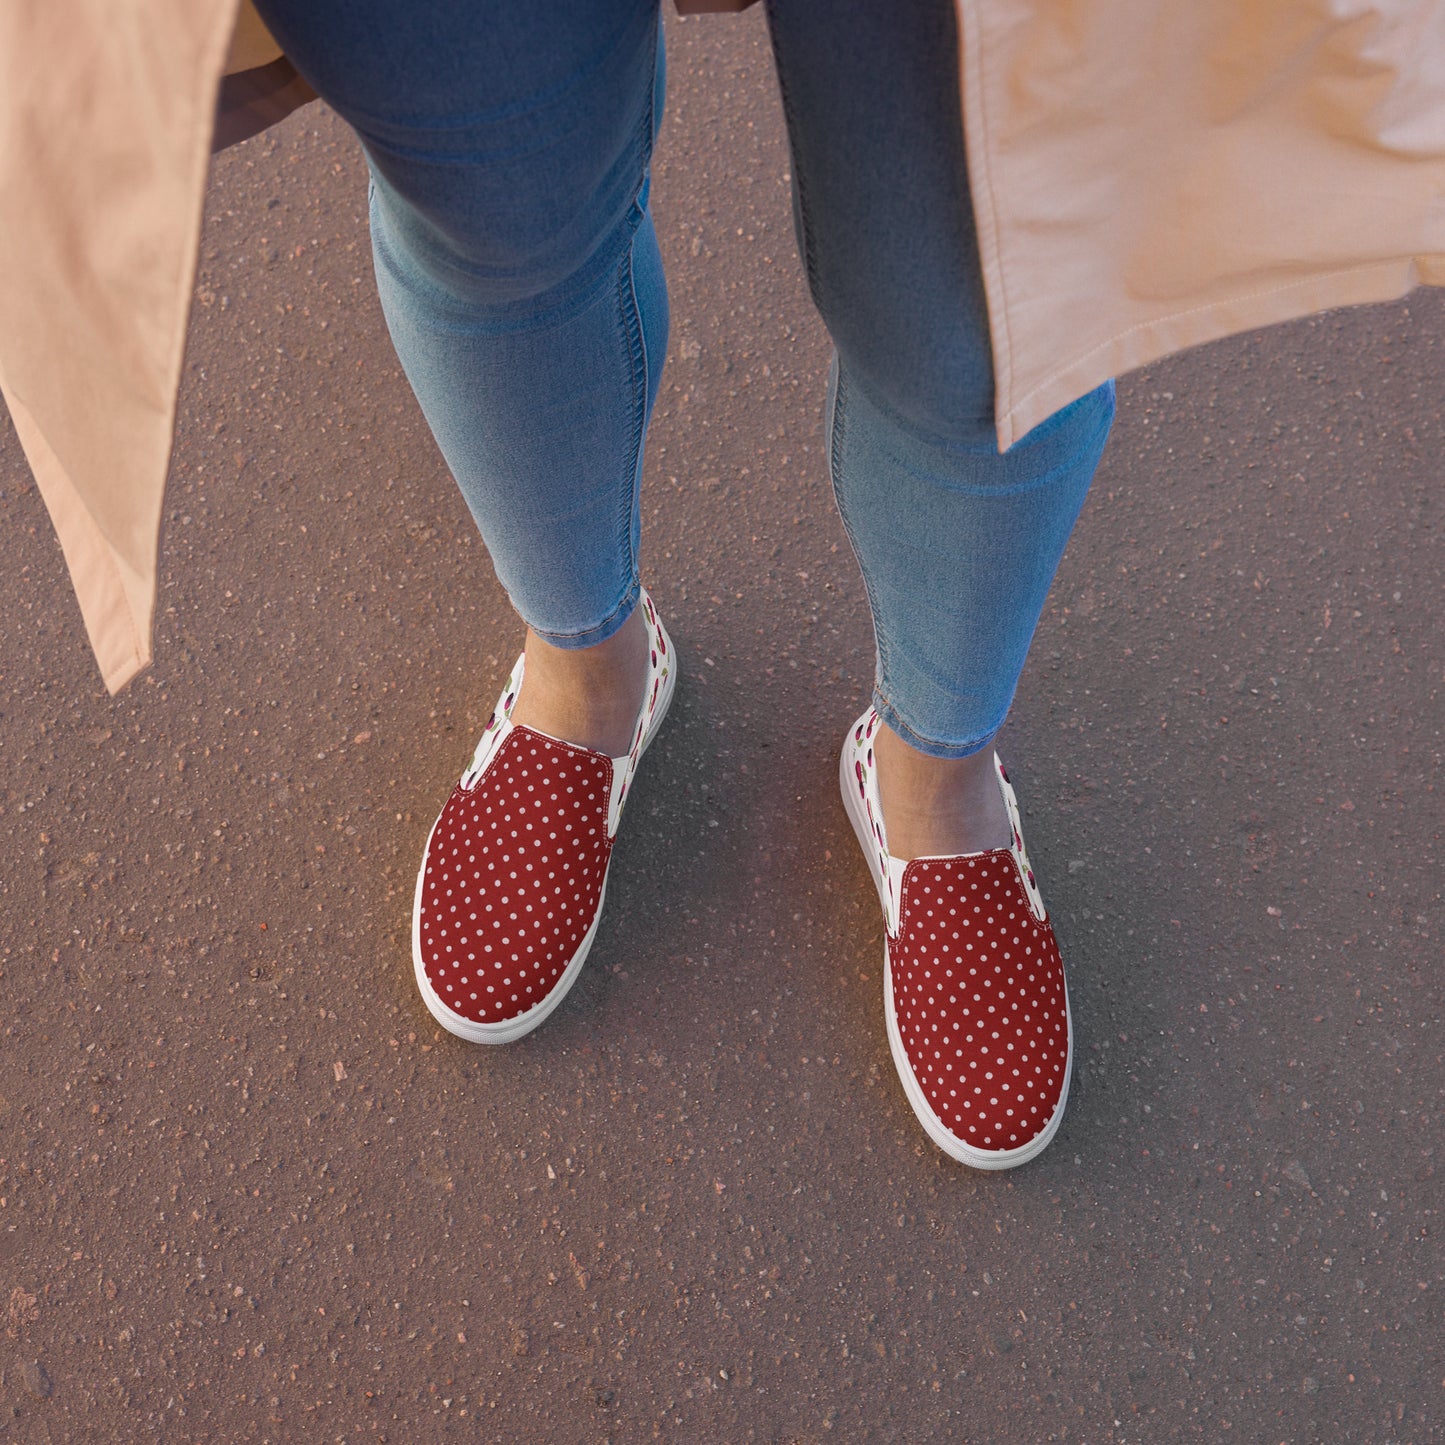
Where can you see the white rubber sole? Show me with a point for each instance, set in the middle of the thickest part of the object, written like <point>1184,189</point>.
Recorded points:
<point>933,1126</point>
<point>510,1030</point>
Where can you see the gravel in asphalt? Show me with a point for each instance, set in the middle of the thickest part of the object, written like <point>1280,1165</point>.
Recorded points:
<point>248,1191</point>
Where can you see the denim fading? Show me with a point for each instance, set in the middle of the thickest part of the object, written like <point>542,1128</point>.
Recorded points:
<point>520,275</point>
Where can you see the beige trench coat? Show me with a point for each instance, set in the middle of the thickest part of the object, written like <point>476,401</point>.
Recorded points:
<point>1146,174</point>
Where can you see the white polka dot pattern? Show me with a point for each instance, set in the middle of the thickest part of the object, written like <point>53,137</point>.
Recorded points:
<point>513,878</point>
<point>979,995</point>
<point>511,885</point>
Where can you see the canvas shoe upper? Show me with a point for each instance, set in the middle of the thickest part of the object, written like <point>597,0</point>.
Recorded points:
<point>514,874</point>
<point>974,994</point>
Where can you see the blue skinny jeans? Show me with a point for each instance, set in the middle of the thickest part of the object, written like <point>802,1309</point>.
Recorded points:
<point>509,144</point>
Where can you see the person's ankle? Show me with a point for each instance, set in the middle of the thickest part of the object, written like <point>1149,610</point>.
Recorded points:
<point>589,696</point>
<point>939,807</point>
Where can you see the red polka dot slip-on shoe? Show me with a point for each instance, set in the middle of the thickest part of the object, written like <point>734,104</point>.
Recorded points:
<point>973,986</point>
<point>515,870</point>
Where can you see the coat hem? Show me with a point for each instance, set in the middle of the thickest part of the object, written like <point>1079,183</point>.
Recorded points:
<point>1162,336</point>
<point>119,639</point>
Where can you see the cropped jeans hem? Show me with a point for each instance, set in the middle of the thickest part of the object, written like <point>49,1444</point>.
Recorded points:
<point>613,623</point>
<point>931,746</point>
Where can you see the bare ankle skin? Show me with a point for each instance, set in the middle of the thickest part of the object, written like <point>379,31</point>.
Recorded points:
<point>589,696</point>
<point>939,807</point>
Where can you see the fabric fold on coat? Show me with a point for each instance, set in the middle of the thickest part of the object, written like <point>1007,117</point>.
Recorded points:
<point>105,128</point>
<point>1148,175</point>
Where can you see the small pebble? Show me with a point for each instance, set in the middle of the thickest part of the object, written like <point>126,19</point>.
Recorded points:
<point>1294,1171</point>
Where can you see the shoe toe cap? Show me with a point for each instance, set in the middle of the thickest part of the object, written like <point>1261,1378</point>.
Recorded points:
<point>512,882</point>
<point>980,1002</point>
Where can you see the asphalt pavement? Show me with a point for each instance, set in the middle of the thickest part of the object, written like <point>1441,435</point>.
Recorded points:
<point>248,1190</point>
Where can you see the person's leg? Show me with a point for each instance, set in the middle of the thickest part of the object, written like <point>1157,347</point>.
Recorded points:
<point>522,284</point>
<point>508,145</point>
<point>957,543</point>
